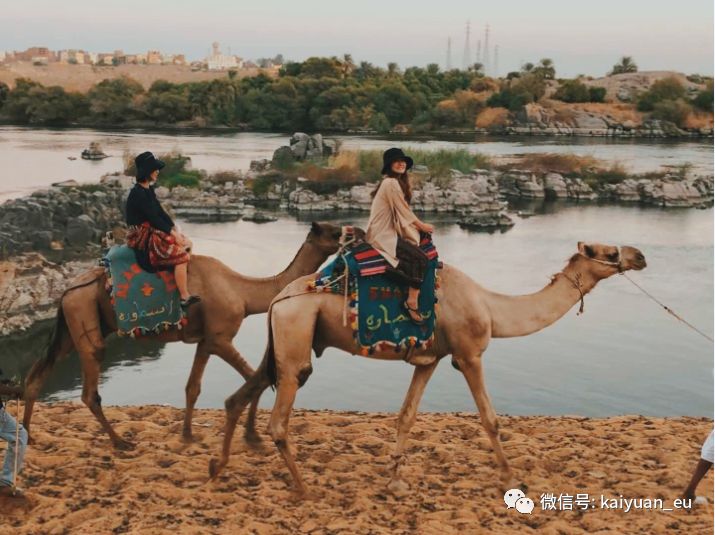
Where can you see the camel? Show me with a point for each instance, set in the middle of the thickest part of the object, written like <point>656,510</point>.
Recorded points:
<point>469,316</point>
<point>85,318</point>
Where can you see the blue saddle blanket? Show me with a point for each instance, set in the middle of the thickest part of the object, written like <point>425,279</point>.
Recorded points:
<point>144,303</point>
<point>377,315</point>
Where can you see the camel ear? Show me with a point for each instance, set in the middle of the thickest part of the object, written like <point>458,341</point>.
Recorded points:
<point>315,228</point>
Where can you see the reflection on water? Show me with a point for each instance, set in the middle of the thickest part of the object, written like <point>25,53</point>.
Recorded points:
<point>623,355</point>
<point>20,353</point>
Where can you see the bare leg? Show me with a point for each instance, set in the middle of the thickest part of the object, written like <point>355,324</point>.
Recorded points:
<point>700,470</point>
<point>182,280</point>
<point>472,370</point>
<point>91,397</point>
<point>193,387</point>
<point>413,295</point>
<point>405,421</point>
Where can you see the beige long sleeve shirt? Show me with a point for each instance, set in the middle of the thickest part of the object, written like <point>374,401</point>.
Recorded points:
<point>390,217</point>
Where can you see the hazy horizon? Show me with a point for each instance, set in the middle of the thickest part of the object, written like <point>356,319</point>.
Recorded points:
<point>673,36</point>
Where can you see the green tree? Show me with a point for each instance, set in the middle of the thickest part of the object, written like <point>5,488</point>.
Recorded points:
<point>545,69</point>
<point>380,123</point>
<point>115,101</point>
<point>625,65</point>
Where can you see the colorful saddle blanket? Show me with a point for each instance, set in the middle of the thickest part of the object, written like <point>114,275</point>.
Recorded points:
<point>144,303</point>
<point>376,314</point>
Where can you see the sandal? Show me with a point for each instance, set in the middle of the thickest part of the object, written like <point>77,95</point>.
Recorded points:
<point>411,311</point>
<point>186,303</point>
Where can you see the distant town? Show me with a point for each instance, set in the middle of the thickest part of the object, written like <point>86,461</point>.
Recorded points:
<point>216,60</point>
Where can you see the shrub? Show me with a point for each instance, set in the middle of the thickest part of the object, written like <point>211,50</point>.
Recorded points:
<point>597,94</point>
<point>379,123</point>
<point>704,99</point>
<point>666,89</point>
<point>674,111</point>
<point>221,177</point>
<point>175,171</point>
<point>572,91</point>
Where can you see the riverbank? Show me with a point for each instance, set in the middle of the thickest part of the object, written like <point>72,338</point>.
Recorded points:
<point>74,482</point>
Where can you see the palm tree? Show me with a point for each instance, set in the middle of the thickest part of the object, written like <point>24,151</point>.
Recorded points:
<point>626,65</point>
<point>546,69</point>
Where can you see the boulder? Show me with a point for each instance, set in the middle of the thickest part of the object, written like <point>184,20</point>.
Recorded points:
<point>555,186</point>
<point>80,230</point>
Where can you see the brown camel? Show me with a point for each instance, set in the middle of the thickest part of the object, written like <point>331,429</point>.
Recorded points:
<point>85,317</point>
<point>468,318</point>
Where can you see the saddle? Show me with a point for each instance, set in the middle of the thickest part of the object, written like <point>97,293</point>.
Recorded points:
<point>144,303</point>
<point>374,297</point>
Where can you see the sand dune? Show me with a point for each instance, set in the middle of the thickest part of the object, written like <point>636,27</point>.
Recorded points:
<point>75,483</point>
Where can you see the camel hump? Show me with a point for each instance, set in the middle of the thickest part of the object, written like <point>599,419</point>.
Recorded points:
<point>85,278</point>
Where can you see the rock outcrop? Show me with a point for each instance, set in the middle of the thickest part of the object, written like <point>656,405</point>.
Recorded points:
<point>30,288</point>
<point>67,218</point>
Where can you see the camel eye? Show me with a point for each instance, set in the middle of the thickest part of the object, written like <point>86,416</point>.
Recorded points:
<point>613,256</point>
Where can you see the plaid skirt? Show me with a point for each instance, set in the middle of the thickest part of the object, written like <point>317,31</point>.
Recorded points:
<point>411,266</point>
<point>161,249</point>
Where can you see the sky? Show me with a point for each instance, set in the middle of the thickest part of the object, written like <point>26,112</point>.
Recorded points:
<point>581,37</point>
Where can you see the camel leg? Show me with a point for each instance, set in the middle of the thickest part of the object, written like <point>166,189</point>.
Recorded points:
<point>38,375</point>
<point>278,426</point>
<point>472,370</point>
<point>250,435</point>
<point>230,354</point>
<point>249,392</point>
<point>91,397</point>
<point>405,421</point>
<point>193,387</point>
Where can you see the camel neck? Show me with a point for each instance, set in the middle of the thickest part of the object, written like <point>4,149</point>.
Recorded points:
<point>259,292</point>
<point>521,315</point>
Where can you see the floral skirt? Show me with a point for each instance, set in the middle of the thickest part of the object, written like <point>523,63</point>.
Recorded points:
<point>162,249</point>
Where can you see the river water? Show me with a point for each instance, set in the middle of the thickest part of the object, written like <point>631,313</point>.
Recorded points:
<point>623,355</point>
<point>34,158</point>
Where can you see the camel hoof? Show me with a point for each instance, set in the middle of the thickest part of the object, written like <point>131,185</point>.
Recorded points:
<point>187,438</point>
<point>124,445</point>
<point>253,440</point>
<point>398,487</point>
<point>215,467</point>
<point>31,440</point>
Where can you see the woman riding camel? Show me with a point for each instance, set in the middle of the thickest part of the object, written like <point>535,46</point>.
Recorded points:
<point>157,242</point>
<point>394,230</point>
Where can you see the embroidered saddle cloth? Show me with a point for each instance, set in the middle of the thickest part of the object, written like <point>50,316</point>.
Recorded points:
<point>375,299</point>
<point>144,303</point>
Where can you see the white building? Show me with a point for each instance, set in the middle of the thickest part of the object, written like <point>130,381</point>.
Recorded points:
<point>220,62</point>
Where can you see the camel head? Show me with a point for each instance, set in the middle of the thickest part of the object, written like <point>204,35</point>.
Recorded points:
<point>606,260</point>
<point>325,236</point>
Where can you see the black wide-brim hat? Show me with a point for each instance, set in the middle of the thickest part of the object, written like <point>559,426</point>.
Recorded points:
<point>392,155</point>
<point>146,164</point>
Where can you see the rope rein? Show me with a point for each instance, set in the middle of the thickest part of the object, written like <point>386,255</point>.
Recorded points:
<point>668,309</point>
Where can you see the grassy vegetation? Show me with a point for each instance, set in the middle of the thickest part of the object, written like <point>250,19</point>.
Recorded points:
<point>175,172</point>
<point>350,168</point>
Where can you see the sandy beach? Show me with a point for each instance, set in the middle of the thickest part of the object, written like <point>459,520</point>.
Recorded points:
<point>75,483</point>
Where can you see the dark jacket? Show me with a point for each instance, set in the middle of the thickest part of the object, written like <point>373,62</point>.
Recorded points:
<point>143,206</point>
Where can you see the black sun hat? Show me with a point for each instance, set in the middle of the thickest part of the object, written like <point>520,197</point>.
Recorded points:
<point>392,155</point>
<point>146,163</point>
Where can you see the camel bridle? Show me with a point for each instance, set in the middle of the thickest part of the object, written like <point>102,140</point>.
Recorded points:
<point>576,280</point>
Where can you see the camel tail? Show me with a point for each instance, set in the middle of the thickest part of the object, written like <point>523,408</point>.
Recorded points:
<point>46,363</point>
<point>269,357</point>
